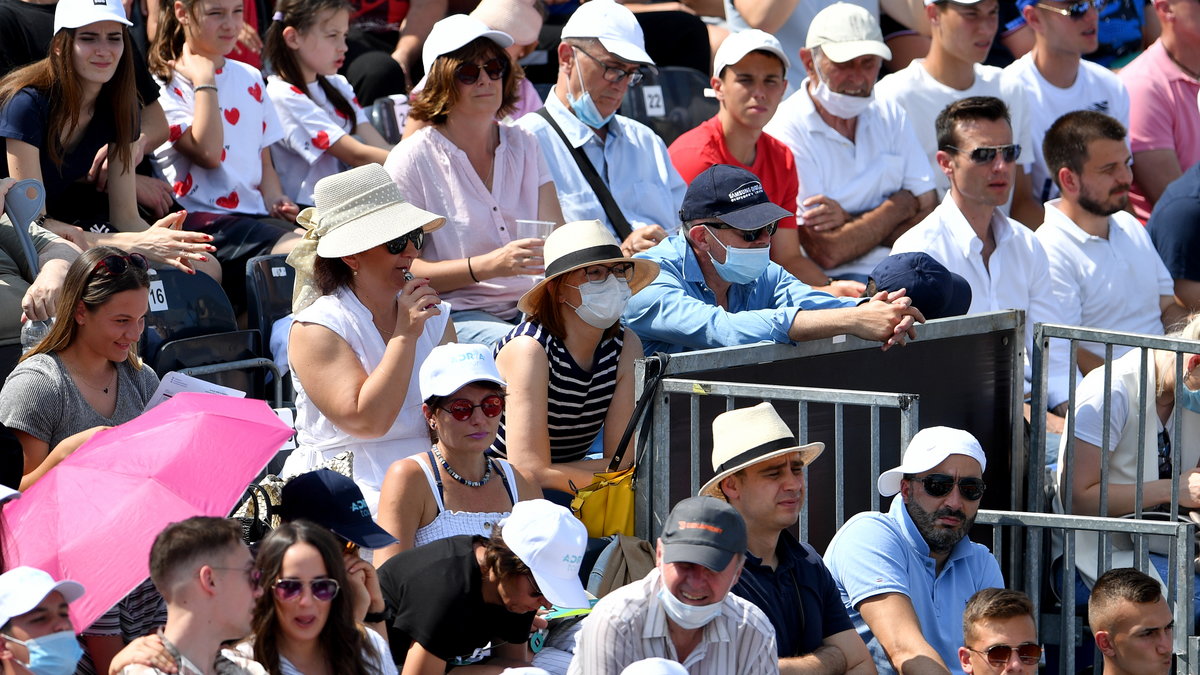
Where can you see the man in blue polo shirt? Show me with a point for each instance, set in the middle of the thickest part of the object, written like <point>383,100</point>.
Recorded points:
<point>905,576</point>
<point>717,286</point>
<point>760,472</point>
<point>1172,228</point>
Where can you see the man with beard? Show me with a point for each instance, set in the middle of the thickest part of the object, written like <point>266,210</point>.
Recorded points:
<point>905,576</point>
<point>1104,269</point>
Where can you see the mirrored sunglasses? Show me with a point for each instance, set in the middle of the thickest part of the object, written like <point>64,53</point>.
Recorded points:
<point>461,409</point>
<point>999,655</point>
<point>1075,10</point>
<point>468,73</point>
<point>290,589</point>
<point>987,154</point>
<point>940,485</point>
<point>397,245</point>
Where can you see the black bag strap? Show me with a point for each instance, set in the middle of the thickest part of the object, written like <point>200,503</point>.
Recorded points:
<point>639,409</point>
<point>619,223</point>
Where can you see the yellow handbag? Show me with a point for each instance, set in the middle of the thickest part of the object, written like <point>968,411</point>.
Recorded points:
<point>606,505</point>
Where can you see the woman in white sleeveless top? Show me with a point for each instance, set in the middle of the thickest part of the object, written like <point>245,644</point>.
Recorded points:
<point>363,325</point>
<point>453,488</point>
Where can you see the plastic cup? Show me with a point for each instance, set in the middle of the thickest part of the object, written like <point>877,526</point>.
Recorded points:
<point>534,229</point>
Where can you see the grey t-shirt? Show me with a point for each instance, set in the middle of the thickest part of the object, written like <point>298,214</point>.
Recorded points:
<point>41,399</point>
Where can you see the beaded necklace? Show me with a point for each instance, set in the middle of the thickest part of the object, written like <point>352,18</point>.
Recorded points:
<point>487,472</point>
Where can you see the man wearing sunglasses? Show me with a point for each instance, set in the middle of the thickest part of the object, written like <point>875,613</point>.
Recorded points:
<point>1164,122</point>
<point>601,56</point>
<point>1056,78</point>
<point>1132,623</point>
<point>717,286</point>
<point>905,576</point>
<point>968,232</point>
<point>999,635</point>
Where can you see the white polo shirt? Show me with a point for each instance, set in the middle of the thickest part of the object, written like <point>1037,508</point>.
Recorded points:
<point>923,98</point>
<point>1096,88</point>
<point>1113,284</point>
<point>883,158</point>
<point>1017,275</point>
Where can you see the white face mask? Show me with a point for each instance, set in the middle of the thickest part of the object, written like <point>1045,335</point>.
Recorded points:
<point>844,106</point>
<point>601,304</point>
<point>687,616</point>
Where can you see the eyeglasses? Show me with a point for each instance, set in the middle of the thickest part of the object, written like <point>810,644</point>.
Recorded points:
<point>397,245</point>
<point>290,589</point>
<point>616,75</point>
<point>468,73</point>
<point>253,574</point>
<point>116,265</point>
<point>597,274</point>
<point>748,235</point>
<point>940,485</point>
<point>1075,10</point>
<point>999,655</point>
<point>461,409</point>
<point>987,154</point>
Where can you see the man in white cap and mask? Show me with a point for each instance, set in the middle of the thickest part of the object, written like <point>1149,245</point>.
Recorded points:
<point>906,575</point>
<point>605,165</point>
<point>759,470</point>
<point>683,610</point>
<point>863,177</point>
<point>34,622</point>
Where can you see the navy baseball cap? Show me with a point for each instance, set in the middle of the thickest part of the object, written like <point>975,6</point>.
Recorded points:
<point>934,290</point>
<point>732,195</point>
<point>703,531</point>
<point>334,502</point>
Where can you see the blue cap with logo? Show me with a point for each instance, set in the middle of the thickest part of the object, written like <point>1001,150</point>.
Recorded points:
<point>334,502</point>
<point>732,195</point>
<point>934,290</point>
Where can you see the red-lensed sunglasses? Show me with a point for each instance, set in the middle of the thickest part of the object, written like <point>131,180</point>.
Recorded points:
<point>461,409</point>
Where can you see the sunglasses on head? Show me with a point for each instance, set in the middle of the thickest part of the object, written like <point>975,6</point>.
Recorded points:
<point>748,235</point>
<point>940,485</point>
<point>999,655</point>
<point>290,589</point>
<point>987,154</point>
<point>461,409</point>
<point>1075,10</point>
<point>397,245</point>
<point>468,73</point>
<point>117,264</point>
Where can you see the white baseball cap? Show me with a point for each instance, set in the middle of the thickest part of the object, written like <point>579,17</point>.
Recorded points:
<point>844,31</point>
<point>614,25</point>
<point>80,13</point>
<point>957,2</point>
<point>22,588</point>
<point>928,448</point>
<point>456,31</point>
<point>452,366</point>
<point>550,541</point>
<point>735,48</point>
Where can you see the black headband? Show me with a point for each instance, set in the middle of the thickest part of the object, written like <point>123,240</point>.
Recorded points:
<point>583,256</point>
<point>756,452</point>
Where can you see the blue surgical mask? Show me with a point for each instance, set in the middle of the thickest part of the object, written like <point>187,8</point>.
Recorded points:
<point>53,654</point>
<point>1189,398</point>
<point>583,106</point>
<point>742,265</point>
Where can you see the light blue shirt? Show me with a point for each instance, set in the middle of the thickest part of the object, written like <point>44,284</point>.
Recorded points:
<point>631,159</point>
<point>678,312</point>
<point>876,553</point>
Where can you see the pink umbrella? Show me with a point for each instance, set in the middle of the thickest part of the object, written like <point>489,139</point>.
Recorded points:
<point>94,516</point>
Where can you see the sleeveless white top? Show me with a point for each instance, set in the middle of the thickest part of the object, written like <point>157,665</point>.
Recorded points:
<point>454,523</point>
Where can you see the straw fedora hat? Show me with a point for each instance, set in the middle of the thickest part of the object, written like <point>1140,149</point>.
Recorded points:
<point>747,436</point>
<point>579,244</point>
<point>360,209</point>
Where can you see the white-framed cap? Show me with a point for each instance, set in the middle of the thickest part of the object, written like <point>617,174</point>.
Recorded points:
<point>928,448</point>
<point>22,588</point>
<point>550,541</point>
<point>735,48</point>
<point>452,366</point>
<point>80,13</point>
<point>613,25</point>
<point>844,31</point>
<point>454,32</point>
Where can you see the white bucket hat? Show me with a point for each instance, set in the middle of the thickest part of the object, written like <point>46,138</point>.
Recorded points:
<point>550,541</point>
<point>22,588</point>
<point>928,448</point>
<point>80,13</point>
<point>457,31</point>
<point>518,18</point>
<point>583,243</point>
<point>613,25</point>
<point>747,436</point>
<point>844,31</point>
<point>452,366</point>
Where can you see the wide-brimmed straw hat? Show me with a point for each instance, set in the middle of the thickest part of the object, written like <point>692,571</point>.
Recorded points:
<point>579,244</point>
<point>360,209</point>
<point>747,436</point>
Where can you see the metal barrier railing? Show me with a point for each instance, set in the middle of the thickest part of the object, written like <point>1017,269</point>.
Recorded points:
<point>653,494</point>
<point>1031,576</point>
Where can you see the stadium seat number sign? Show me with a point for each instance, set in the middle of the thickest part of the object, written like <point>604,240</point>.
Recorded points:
<point>158,296</point>
<point>653,97</point>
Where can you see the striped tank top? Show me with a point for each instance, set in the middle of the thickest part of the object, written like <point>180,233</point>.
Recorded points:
<point>577,400</point>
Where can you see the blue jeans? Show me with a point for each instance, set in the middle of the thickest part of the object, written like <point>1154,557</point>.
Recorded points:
<point>476,326</point>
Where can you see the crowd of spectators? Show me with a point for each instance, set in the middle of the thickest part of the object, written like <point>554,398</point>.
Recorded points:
<point>469,304</point>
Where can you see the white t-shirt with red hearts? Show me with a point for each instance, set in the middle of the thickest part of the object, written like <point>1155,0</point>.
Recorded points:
<point>311,125</point>
<point>249,124</point>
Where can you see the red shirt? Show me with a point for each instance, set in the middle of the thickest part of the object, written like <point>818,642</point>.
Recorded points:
<point>704,146</point>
